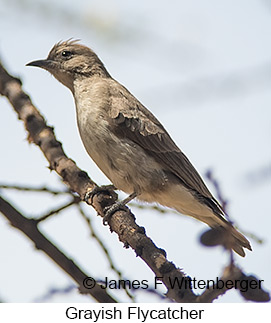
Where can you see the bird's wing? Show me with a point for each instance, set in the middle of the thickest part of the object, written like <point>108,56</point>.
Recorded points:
<point>130,119</point>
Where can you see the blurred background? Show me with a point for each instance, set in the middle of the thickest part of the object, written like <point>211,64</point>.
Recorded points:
<point>203,68</point>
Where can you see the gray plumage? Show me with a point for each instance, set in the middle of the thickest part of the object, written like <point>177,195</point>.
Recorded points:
<point>128,143</point>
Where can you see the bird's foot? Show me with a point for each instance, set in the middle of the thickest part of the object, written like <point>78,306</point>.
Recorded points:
<point>111,209</point>
<point>98,189</point>
<point>119,205</point>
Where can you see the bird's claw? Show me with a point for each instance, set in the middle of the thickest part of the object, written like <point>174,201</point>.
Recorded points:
<point>97,189</point>
<point>111,209</point>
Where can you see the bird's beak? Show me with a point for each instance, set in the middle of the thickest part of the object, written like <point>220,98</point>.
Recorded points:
<point>46,64</point>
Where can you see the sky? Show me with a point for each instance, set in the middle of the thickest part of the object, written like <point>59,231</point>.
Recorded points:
<point>203,68</point>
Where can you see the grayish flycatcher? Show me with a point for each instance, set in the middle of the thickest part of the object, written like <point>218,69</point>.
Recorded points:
<point>129,144</point>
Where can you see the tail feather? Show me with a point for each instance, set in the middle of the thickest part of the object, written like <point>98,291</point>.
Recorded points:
<point>207,210</point>
<point>239,242</point>
<point>235,240</point>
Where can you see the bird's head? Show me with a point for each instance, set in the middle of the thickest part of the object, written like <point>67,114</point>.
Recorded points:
<point>69,60</point>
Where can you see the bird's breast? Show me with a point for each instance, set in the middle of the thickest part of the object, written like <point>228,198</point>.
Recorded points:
<point>125,163</point>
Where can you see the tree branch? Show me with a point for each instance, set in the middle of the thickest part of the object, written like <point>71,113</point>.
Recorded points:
<point>30,229</point>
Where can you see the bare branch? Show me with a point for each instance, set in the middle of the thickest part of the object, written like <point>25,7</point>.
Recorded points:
<point>104,249</point>
<point>75,200</point>
<point>223,201</point>
<point>30,229</point>
<point>34,189</point>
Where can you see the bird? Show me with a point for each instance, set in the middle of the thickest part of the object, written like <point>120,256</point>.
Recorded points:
<point>128,143</point>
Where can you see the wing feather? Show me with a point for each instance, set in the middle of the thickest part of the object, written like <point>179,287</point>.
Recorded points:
<point>130,119</point>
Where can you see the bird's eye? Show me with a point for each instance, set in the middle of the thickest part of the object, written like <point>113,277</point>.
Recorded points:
<point>66,53</point>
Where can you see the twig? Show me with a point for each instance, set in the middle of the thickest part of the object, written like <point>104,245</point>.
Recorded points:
<point>54,291</point>
<point>223,201</point>
<point>75,200</point>
<point>104,249</point>
<point>34,189</point>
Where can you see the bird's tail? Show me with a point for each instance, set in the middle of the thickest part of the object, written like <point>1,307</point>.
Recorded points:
<point>239,242</point>
<point>208,211</point>
<point>231,237</point>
